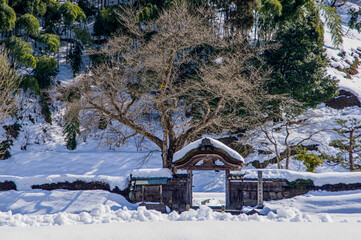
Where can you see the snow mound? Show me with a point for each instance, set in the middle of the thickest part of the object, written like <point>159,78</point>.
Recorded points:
<point>103,214</point>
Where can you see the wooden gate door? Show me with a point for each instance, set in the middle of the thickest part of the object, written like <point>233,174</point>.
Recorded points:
<point>235,200</point>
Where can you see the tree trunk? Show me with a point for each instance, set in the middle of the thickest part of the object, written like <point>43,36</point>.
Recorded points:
<point>288,153</point>
<point>167,155</point>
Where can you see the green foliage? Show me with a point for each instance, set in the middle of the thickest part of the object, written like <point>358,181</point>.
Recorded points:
<point>72,13</point>
<point>51,41</point>
<point>271,7</point>
<point>349,142</point>
<point>301,184</point>
<point>239,13</point>
<point>87,7</point>
<point>334,23</point>
<point>46,64</point>
<point>45,71</point>
<point>30,23</point>
<point>106,22</point>
<point>5,149</point>
<point>71,129</point>
<point>97,59</point>
<point>310,160</point>
<point>269,11</point>
<point>35,7</point>
<point>21,51</point>
<point>149,12</point>
<point>31,83</point>
<point>7,17</point>
<point>74,57</point>
<point>354,23</point>
<point>293,9</point>
<point>45,102</point>
<point>299,63</point>
<point>53,16</point>
<point>83,36</point>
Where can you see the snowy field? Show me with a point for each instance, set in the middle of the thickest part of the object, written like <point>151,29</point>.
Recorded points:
<point>62,207</point>
<point>208,230</point>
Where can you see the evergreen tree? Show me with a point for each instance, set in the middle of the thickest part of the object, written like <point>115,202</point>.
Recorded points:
<point>334,23</point>
<point>45,71</point>
<point>7,17</point>
<point>21,51</point>
<point>51,41</point>
<point>299,63</point>
<point>71,129</point>
<point>30,23</point>
<point>74,57</point>
<point>350,142</point>
<point>354,23</point>
<point>238,15</point>
<point>53,17</point>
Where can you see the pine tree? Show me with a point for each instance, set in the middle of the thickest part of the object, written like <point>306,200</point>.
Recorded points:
<point>299,63</point>
<point>71,129</point>
<point>74,57</point>
<point>350,142</point>
<point>30,23</point>
<point>51,41</point>
<point>7,17</point>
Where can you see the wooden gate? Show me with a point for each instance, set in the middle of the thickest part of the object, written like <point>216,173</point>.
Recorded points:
<point>210,155</point>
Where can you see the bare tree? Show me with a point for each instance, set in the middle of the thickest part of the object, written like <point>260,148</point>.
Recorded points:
<point>9,82</point>
<point>349,143</point>
<point>162,81</point>
<point>289,133</point>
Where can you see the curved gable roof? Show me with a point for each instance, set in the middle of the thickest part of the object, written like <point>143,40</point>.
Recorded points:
<point>208,149</point>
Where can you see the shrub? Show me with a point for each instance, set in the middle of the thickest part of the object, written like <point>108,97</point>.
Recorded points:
<point>310,160</point>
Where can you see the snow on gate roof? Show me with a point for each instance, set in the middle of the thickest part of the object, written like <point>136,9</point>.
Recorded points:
<point>207,149</point>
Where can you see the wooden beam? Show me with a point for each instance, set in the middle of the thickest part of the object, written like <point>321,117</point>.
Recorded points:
<point>189,188</point>
<point>228,193</point>
<point>161,193</point>
<point>142,193</point>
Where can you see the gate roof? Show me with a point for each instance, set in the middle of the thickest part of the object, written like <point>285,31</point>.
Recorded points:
<point>207,154</point>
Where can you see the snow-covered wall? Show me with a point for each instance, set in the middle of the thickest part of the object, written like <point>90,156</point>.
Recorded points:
<point>319,179</point>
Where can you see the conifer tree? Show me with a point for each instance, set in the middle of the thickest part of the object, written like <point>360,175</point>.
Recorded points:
<point>299,63</point>
<point>21,51</point>
<point>7,17</point>
<point>350,142</point>
<point>30,23</point>
<point>74,57</point>
<point>71,128</point>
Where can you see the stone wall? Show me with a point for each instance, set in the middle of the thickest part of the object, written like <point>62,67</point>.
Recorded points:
<point>277,189</point>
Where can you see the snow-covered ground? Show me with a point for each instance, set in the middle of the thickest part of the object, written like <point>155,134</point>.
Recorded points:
<point>207,230</point>
<point>99,215</point>
<point>61,207</point>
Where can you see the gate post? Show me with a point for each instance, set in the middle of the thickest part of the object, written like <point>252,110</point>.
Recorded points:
<point>189,190</point>
<point>228,190</point>
<point>260,191</point>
